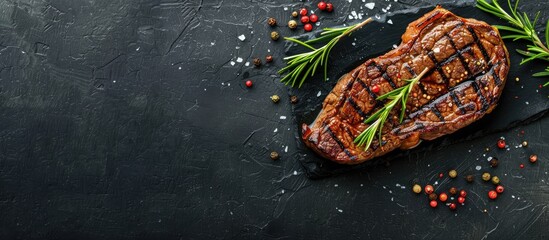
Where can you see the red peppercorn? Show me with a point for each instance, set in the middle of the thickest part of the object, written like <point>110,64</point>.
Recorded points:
<point>303,12</point>
<point>321,5</point>
<point>440,175</point>
<point>304,19</point>
<point>499,189</point>
<point>249,83</point>
<point>521,165</point>
<point>443,197</point>
<point>308,27</point>
<point>492,194</point>
<point>501,144</point>
<point>375,89</point>
<point>433,203</point>
<point>453,206</point>
<point>329,7</point>
<point>461,199</point>
<point>429,189</point>
<point>463,193</point>
<point>313,18</point>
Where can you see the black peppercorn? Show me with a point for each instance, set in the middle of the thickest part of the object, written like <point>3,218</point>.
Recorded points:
<point>271,21</point>
<point>433,196</point>
<point>470,178</point>
<point>257,62</point>
<point>293,99</point>
<point>269,58</point>
<point>453,191</point>
<point>274,155</point>
<point>494,162</point>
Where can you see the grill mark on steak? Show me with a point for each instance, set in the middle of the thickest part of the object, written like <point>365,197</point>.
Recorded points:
<point>472,80</point>
<point>456,101</point>
<point>389,80</point>
<point>339,143</point>
<point>357,108</point>
<point>479,43</point>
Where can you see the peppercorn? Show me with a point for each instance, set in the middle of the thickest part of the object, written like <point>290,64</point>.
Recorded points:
<point>275,98</point>
<point>292,24</point>
<point>443,197</point>
<point>293,99</point>
<point>274,155</point>
<point>463,193</point>
<point>525,144</point>
<point>499,189</point>
<point>416,188</point>
<point>249,83</point>
<point>470,178</point>
<point>494,162</point>
<point>308,27</point>
<point>321,6</point>
<point>453,191</point>
<point>268,58</point>
<point>294,14</point>
<point>452,206</point>
<point>521,165</point>
<point>461,200</point>
<point>257,62</point>
<point>429,189</point>
<point>313,18</point>
<point>375,89</point>
<point>486,176</point>
<point>433,203</point>
<point>275,35</point>
<point>304,19</point>
<point>495,180</point>
<point>501,144</point>
<point>433,196</point>
<point>492,194</point>
<point>271,21</point>
<point>303,12</point>
<point>453,173</point>
<point>533,158</point>
<point>329,7</point>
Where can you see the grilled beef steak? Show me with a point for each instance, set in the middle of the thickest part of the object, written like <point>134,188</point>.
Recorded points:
<point>468,65</point>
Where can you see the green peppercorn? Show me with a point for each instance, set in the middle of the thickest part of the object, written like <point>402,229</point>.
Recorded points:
<point>470,178</point>
<point>486,176</point>
<point>271,21</point>
<point>453,190</point>
<point>494,162</point>
<point>294,14</point>
<point>275,35</point>
<point>274,155</point>
<point>275,98</point>
<point>495,180</point>
<point>453,173</point>
<point>433,196</point>
<point>292,24</point>
<point>416,188</point>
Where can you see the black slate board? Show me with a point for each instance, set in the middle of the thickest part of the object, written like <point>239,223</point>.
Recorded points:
<point>522,101</point>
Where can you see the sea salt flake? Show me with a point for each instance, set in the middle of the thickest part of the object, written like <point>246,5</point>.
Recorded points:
<point>232,63</point>
<point>242,37</point>
<point>478,167</point>
<point>319,93</point>
<point>436,50</point>
<point>239,60</point>
<point>390,21</point>
<point>286,149</point>
<point>370,5</point>
<point>282,117</point>
<point>276,130</point>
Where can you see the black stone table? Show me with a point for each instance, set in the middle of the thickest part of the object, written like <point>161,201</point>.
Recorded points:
<point>130,120</point>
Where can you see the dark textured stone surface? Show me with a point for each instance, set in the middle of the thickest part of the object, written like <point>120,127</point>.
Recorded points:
<point>128,120</point>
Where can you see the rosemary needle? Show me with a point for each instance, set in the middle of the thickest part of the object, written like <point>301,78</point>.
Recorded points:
<point>301,66</point>
<point>521,28</point>
<point>399,95</point>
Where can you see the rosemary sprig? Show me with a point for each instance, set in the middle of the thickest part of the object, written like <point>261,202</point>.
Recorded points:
<point>399,95</point>
<point>303,65</point>
<point>521,28</point>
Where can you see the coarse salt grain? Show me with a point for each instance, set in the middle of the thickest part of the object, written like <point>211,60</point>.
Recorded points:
<point>242,37</point>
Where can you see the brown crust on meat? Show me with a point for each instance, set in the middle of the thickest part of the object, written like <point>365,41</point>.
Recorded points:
<point>468,65</point>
